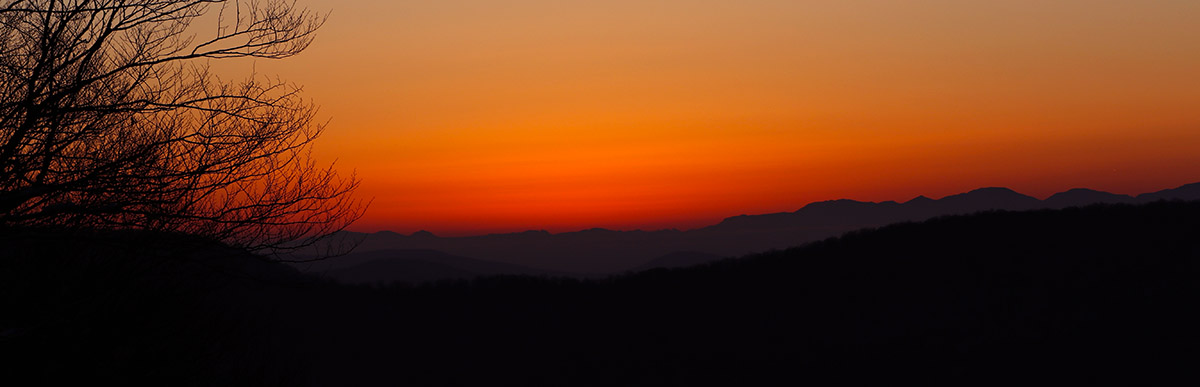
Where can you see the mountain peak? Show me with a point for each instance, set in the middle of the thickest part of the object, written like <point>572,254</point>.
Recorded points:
<point>994,190</point>
<point>991,193</point>
<point>423,234</point>
<point>920,199</point>
<point>1078,197</point>
<point>988,198</point>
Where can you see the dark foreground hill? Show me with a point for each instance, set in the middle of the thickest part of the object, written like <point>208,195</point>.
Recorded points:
<point>139,308</point>
<point>1103,293</point>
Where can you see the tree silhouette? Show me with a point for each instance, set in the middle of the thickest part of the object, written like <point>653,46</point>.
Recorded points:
<point>111,118</point>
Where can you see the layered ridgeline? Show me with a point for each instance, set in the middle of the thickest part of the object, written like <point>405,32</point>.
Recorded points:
<point>422,256</point>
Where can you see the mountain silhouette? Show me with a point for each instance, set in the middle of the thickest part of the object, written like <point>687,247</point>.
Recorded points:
<point>991,198</point>
<point>1185,192</point>
<point>852,213</point>
<point>919,200</point>
<point>600,251</point>
<point>679,259</point>
<point>412,266</point>
<point>387,271</point>
<point>1078,197</point>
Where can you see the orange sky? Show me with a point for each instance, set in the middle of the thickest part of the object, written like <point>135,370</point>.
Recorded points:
<point>472,116</point>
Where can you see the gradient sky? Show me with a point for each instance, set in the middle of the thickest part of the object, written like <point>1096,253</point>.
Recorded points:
<point>474,116</point>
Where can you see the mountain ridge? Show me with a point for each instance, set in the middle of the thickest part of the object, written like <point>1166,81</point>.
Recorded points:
<point>599,251</point>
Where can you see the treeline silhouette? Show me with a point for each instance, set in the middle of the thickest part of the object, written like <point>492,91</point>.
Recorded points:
<point>1104,293</point>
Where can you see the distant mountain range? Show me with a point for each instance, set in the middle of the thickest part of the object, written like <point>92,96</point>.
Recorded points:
<point>422,256</point>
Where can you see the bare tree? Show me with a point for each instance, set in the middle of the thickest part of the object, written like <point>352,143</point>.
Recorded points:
<point>111,118</point>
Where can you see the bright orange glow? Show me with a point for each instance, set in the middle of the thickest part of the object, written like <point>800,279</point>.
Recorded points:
<point>470,116</point>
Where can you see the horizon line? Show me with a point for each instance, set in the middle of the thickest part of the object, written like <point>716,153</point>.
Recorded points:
<point>678,229</point>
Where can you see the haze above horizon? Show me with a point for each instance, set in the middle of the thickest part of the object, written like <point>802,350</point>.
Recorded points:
<point>471,116</point>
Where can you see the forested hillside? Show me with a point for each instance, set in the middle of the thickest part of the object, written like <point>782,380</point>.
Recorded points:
<point>1101,293</point>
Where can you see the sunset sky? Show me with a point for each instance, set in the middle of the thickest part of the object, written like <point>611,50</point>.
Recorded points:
<point>475,116</point>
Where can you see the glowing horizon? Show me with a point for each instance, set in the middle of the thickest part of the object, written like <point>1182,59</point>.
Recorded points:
<point>467,116</point>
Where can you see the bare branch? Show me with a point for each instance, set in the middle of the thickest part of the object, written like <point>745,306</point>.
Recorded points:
<point>108,119</point>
